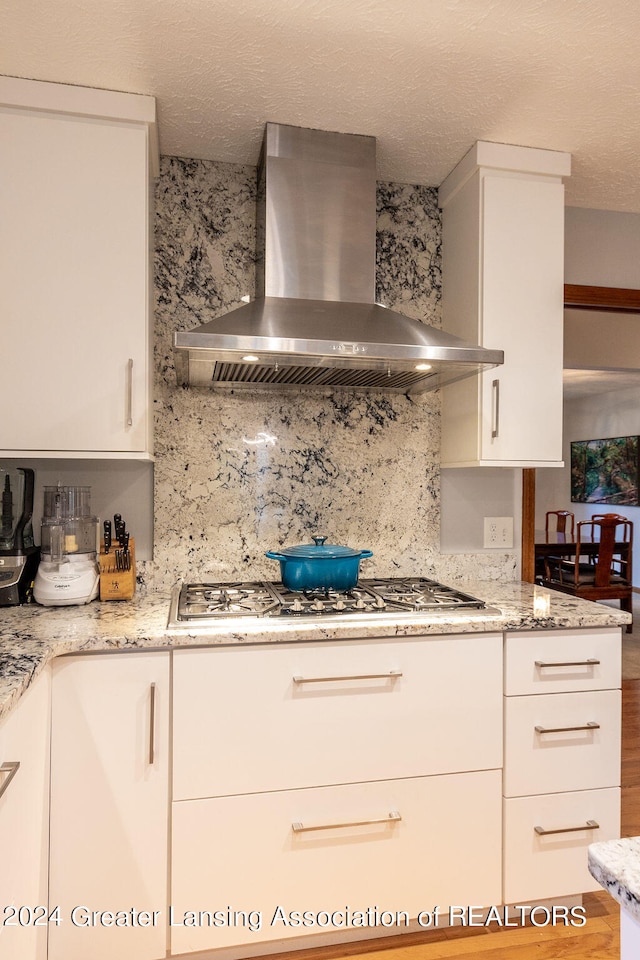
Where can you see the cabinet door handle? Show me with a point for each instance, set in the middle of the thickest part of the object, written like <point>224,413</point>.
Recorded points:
<point>391,675</point>
<point>589,825</point>
<point>495,386</point>
<point>568,663</point>
<point>129,415</point>
<point>11,767</point>
<point>152,722</point>
<point>392,817</point>
<point>590,725</point>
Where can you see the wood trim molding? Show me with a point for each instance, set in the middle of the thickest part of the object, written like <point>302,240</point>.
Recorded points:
<point>611,299</point>
<point>527,555</point>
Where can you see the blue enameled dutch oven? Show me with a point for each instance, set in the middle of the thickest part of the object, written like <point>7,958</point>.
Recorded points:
<point>319,565</point>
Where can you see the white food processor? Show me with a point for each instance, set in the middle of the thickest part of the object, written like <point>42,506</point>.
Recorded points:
<point>68,572</point>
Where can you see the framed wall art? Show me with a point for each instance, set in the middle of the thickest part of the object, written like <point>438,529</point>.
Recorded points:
<point>605,471</point>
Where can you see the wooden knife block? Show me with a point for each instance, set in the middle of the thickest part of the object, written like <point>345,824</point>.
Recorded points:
<point>117,584</point>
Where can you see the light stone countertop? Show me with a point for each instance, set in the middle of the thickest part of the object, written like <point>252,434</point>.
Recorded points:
<point>615,864</point>
<point>31,636</point>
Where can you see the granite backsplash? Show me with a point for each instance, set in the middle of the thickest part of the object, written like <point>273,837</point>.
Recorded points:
<point>237,474</point>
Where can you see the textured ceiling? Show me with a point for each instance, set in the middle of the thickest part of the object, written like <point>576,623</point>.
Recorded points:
<point>427,78</point>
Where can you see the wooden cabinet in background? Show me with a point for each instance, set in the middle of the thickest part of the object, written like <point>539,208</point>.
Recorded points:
<point>503,287</point>
<point>75,208</point>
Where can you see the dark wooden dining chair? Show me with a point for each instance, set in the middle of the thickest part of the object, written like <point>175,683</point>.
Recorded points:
<point>601,568</point>
<point>563,517</point>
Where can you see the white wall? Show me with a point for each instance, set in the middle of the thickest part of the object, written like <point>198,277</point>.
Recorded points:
<point>602,249</point>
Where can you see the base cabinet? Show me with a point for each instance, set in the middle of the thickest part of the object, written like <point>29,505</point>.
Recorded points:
<point>109,805</point>
<point>546,840</point>
<point>229,797</point>
<point>562,758</point>
<point>396,846</point>
<point>24,824</point>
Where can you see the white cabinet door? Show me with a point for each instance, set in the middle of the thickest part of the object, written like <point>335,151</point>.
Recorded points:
<point>438,843</point>
<point>562,661</point>
<point>334,712</point>
<point>24,824</point>
<point>74,284</point>
<point>562,742</point>
<point>503,287</point>
<point>546,839</point>
<point>109,805</point>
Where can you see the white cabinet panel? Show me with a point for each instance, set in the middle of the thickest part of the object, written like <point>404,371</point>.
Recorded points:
<point>109,802</point>
<point>548,749</point>
<point>503,287</point>
<point>74,282</point>
<point>251,719</point>
<point>24,824</point>
<point>242,852</point>
<point>562,661</point>
<point>539,866</point>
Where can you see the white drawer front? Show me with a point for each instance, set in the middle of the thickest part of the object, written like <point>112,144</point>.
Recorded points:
<point>243,852</point>
<point>554,661</point>
<point>544,755</point>
<point>555,865</point>
<point>253,719</point>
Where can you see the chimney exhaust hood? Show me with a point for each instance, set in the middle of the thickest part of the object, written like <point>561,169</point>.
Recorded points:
<point>314,322</point>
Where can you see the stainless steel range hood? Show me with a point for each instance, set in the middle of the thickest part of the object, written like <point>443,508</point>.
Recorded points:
<point>314,322</point>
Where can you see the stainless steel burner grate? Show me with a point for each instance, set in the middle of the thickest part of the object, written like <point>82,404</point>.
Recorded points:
<point>207,603</point>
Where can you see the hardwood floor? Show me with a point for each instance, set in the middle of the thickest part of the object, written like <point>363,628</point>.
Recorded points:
<point>598,939</point>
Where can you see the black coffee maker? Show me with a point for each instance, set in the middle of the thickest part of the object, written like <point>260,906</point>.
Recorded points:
<point>18,556</point>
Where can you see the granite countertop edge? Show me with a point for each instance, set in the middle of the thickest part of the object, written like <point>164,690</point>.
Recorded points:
<point>615,864</point>
<point>32,636</point>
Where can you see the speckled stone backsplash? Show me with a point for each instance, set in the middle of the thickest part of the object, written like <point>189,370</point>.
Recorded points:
<point>238,474</point>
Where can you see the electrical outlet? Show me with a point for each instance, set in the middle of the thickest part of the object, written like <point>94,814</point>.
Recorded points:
<point>498,532</point>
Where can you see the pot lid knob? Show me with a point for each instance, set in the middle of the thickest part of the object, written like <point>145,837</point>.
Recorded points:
<point>319,541</point>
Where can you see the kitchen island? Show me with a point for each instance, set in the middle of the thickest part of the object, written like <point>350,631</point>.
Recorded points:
<point>336,756</point>
<point>31,636</point>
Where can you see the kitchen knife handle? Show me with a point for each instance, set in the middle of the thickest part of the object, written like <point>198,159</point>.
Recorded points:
<point>107,535</point>
<point>152,723</point>
<point>129,415</point>
<point>392,817</point>
<point>11,767</point>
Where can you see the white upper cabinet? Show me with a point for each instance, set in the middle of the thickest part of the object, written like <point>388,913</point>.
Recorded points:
<point>503,287</point>
<point>75,208</point>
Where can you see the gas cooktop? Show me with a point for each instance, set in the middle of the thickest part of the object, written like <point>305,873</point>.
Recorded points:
<point>205,604</point>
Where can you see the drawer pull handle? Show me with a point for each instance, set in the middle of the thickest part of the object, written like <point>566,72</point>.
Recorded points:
<point>11,767</point>
<point>391,817</point>
<point>589,825</point>
<point>495,387</point>
<point>391,675</point>
<point>568,663</point>
<point>152,723</point>
<point>129,412</point>
<point>590,725</point>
